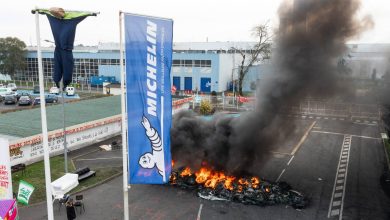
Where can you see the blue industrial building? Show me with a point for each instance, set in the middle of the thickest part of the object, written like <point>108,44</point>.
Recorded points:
<point>202,66</point>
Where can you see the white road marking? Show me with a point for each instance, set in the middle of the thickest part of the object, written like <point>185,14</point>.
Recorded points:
<point>103,158</point>
<point>352,135</point>
<point>200,211</point>
<point>326,118</point>
<point>277,180</point>
<point>303,138</point>
<point>342,119</point>
<point>290,160</point>
<point>311,117</point>
<point>318,118</point>
<point>337,200</point>
<point>336,203</point>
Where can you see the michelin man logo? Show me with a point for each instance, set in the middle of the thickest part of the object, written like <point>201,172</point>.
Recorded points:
<point>156,157</point>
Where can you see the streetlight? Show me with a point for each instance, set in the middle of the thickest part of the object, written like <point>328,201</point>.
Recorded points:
<point>63,122</point>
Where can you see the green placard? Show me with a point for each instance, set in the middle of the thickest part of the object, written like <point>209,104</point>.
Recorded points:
<point>25,191</point>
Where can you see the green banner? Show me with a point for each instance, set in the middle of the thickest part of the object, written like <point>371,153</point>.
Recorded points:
<point>25,191</point>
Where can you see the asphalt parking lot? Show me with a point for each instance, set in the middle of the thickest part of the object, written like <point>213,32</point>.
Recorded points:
<point>312,167</point>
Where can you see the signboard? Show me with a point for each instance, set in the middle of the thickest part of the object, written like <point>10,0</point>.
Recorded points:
<point>148,65</point>
<point>5,171</point>
<point>8,209</point>
<point>30,149</point>
<point>25,191</point>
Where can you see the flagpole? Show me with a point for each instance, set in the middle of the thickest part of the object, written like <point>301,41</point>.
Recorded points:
<point>124,127</point>
<point>45,141</point>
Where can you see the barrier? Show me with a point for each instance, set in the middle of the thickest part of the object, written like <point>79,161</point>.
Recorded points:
<point>29,150</point>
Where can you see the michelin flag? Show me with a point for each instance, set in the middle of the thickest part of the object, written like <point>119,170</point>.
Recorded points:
<point>149,103</point>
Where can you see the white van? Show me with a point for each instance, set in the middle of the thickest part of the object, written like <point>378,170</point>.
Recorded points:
<point>12,86</point>
<point>70,91</point>
<point>5,91</point>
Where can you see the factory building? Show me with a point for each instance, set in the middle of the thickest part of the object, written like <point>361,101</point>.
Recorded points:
<point>196,66</point>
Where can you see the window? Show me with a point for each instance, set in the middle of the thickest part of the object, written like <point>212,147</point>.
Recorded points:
<point>176,62</point>
<point>188,63</point>
<point>197,63</point>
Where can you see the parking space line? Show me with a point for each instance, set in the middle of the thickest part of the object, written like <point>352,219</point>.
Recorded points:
<point>290,160</point>
<point>280,175</point>
<point>199,212</point>
<point>352,135</point>
<point>103,158</point>
<point>303,138</point>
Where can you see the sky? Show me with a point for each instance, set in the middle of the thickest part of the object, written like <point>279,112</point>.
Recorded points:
<point>194,20</point>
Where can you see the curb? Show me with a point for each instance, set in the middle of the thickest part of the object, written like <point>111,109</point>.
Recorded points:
<point>98,183</point>
<point>82,190</point>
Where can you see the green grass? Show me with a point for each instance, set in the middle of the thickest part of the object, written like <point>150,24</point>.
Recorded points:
<point>35,175</point>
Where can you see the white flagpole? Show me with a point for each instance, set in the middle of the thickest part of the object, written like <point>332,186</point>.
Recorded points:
<point>124,127</point>
<point>45,140</point>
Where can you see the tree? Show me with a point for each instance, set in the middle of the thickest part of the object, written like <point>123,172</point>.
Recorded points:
<point>259,52</point>
<point>12,55</point>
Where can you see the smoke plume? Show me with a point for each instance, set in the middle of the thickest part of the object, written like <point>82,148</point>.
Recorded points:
<point>310,40</point>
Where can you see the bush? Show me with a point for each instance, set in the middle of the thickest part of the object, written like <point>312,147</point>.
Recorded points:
<point>205,107</point>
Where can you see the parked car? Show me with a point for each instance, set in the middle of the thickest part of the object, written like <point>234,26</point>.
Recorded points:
<point>5,91</point>
<point>10,99</point>
<point>24,100</point>
<point>54,90</point>
<point>70,91</point>
<point>18,95</point>
<point>12,86</point>
<point>51,98</point>
<point>2,85</point>
<point>36,90</point>
<point>37,101</point>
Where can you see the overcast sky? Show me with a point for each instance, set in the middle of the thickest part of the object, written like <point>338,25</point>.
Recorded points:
<point>194,20</point>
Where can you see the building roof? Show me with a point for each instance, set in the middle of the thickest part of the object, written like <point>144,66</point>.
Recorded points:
<point>27,123</point>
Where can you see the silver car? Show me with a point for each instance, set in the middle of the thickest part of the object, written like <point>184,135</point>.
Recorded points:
<point>24,100</point>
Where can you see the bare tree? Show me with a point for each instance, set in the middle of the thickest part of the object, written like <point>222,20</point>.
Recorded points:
<point>259,52</point>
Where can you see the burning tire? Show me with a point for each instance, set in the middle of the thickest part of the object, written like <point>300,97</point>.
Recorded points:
<point>216,186</point>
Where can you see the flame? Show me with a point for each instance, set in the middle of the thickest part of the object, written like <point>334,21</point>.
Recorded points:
<point>186,172</point>
<point>255,182</point>
<point>202,175</point>
<point>229,182</point>
<point>211,179</point>
<point>173,163</point>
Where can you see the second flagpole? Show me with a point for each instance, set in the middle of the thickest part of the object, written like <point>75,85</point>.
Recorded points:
<point>124,126</point>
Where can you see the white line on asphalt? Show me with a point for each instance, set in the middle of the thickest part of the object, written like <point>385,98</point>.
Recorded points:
<point>103,158</point>
<point>303,138</point>
<point>277,180</point>
<point>328,132</point>
<point>200,211</point>
<point>290,160</point>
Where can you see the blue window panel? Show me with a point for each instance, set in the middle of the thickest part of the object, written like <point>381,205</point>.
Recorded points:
<point>205,84</point>
<point>187,83</point>
<point>176,82</point>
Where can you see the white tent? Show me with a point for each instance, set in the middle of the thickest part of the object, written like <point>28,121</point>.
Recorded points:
<point>64,184</point>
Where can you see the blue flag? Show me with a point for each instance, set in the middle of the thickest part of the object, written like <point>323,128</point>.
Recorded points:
<point>149,103</point>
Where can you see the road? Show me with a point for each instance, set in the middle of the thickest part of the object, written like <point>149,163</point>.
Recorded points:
<point>335,162</point>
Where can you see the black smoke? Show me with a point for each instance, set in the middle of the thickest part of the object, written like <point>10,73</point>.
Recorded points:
<point>311,37</point>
